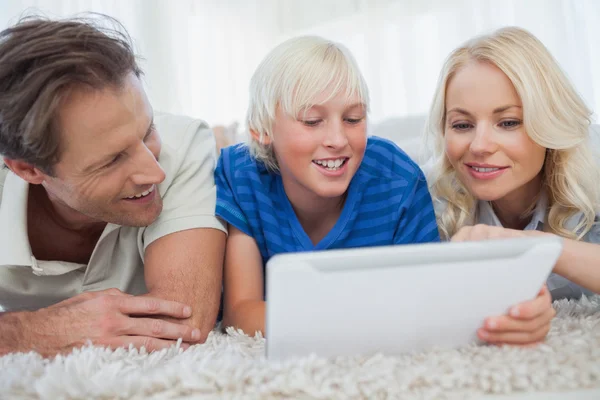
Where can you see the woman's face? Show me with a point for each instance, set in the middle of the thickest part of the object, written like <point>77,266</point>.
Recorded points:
<point>485,139</point>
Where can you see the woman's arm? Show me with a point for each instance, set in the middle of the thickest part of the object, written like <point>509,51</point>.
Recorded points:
<point>243,307</point>
<point>579,262</point>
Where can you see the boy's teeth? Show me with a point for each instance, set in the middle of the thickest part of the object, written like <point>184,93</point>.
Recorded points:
<point>331,164</point>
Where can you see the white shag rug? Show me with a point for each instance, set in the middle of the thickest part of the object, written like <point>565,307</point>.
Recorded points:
<point>234,366</point>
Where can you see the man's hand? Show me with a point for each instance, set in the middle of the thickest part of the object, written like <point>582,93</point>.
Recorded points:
<point>107,318</point>
<point>527,323</point>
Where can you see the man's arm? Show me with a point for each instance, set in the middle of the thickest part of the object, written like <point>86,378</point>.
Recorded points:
<point>185,246</point>
<point>107,318</point>
<point>187,266</point>
<point>11,332</point>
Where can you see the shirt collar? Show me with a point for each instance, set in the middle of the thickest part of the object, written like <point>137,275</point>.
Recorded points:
<point>14,241</point>
<point>487,215</point>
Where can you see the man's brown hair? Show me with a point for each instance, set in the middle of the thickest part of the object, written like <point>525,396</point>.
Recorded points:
<point>41,61</point>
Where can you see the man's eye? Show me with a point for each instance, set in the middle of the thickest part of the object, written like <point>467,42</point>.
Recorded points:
<point>114,160</point>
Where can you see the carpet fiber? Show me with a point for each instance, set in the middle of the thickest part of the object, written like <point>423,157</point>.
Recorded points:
<point>233,366</point>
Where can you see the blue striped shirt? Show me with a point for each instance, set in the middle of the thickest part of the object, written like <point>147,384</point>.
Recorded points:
<point>387,203</point>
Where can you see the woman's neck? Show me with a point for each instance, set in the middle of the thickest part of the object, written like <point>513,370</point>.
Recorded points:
<point>511,209</point>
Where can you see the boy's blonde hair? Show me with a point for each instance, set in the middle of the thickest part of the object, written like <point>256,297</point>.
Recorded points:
<point>554,117</point>
<point>292,76</point>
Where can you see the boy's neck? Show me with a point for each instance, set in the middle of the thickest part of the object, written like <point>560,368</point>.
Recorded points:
<point>318,215</point>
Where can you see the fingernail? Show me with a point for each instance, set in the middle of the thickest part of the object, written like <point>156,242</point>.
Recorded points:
<point>196,334</point>
<point>484,333</point>
<point>187,310</point>
<point>514,311</point>
<point>492,324</point>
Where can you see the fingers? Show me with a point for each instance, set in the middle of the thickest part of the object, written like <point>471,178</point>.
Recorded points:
<point>133,305</point>
<point>157,328</point>
<point>506,323</point>
<point>533,308</point>
<point>85,296</point>
<point>528,322</point>
<point>149,343</point>
<point>515,338</point>
<point>484,232</point>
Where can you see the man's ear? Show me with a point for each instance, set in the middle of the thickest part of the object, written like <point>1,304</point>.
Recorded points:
<point>25,171</point>
<point>265,139</point>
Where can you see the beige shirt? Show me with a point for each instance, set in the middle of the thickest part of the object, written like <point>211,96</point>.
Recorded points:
<point>188,158</point>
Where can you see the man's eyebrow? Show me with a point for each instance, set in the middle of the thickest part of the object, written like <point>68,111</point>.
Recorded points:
<point>151,126</point>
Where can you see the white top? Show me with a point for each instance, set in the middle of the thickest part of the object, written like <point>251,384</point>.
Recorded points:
<point>188,158</point>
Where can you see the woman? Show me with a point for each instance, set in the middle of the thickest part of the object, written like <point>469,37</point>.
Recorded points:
<point>512,158</point>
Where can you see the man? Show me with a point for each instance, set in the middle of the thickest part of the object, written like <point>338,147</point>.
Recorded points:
<point>106,234</point>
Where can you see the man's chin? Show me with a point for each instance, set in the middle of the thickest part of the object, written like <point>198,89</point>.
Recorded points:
<point>139,219</point>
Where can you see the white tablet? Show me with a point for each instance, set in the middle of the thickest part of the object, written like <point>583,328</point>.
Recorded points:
<point>397,299</point>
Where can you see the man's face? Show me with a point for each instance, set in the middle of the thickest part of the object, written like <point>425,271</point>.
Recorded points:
<point>108,169</point>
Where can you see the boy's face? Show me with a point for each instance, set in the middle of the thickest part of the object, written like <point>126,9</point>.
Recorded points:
<point>320,150</point>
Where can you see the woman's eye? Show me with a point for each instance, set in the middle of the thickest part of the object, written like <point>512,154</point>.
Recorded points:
<point>461,126</point>
<point>513,123</point>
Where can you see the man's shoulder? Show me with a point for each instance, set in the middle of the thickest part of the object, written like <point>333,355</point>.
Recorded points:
<point>3,173</point>
<point>178,131</point>
<point>188,144</point>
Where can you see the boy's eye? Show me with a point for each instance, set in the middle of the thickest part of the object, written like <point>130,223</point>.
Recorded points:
<point>354,120</point>
<point>311,122</point>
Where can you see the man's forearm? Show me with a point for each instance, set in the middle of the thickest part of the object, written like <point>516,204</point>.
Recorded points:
<point>187,267</point>
<point>204,308</point>
<point>12,334</point>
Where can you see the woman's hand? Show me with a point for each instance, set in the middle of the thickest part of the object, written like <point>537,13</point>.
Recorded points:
<point>527,323</point>
<point>485,232</point>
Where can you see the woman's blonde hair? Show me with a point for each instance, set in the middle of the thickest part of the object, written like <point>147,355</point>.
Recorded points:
<point>292,76</point>
<point>554,117</point>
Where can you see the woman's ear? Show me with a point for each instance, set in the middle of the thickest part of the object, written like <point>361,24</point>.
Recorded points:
<point>263,138</point>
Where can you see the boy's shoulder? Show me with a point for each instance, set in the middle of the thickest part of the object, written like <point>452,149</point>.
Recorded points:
<point>238,162</point>
<point>383,158</point>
